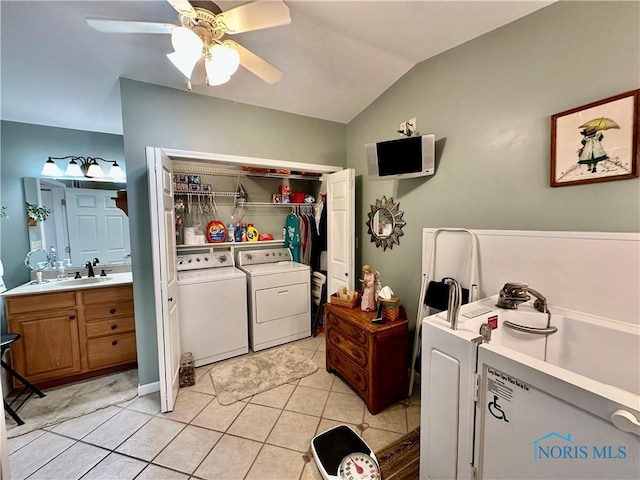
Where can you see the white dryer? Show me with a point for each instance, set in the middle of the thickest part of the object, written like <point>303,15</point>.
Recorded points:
<point>279,297</point>
<point>213,307</point>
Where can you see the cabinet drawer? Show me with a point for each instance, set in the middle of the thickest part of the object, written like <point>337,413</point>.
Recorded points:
<point>92,296</point>
<point>348,347</point>
<point>111,350</point>
<point>108,310</point>
<point>352,331</point>
<point>356,378</point>
<point>110,327</point>
<point>38,303</point>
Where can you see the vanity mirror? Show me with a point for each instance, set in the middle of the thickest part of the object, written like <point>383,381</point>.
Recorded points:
<point>385,223</point>
<point>85,222</point>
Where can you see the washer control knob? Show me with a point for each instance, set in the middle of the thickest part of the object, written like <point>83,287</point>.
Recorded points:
<point>248,256</point>
<point>222,258</point>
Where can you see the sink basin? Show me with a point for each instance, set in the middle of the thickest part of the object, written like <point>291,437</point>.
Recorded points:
<point>86,281</point>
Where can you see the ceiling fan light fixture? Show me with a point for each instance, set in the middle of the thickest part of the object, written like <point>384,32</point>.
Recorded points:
<point>186,41</point>
<point>73,170</point>
<point>214,75</point>
<point>184,63</point>
<point>225,58</point>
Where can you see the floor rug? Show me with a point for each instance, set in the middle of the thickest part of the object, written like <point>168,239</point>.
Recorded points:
<point>73,400</point>
<point>242,378</point>
<point>401,459</point>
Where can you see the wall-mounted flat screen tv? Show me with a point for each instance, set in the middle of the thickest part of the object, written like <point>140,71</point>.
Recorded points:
<point>406,157</point>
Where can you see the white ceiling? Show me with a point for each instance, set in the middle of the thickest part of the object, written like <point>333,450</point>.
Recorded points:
<point>336,56</point>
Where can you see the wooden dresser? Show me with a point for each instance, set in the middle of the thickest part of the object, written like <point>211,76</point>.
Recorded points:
<point>69,335</point>
<point>372,358</point>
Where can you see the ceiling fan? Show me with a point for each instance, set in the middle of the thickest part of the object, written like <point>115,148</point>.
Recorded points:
<point>201,53</point>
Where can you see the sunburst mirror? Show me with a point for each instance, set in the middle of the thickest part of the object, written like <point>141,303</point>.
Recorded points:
<point>385,223</point>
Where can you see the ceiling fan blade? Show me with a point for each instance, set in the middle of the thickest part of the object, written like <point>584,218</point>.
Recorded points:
<point>256,65</point>
<point>183,7</point>
<point>254,16</point>
<point>125,26</point>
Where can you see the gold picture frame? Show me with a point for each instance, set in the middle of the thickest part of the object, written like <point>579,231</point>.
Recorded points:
<point>597,142</point>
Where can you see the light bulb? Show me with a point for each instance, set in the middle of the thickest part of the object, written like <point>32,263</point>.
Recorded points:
<point>116,172</point>
<point>186,41</point>
<point>183,63</point>
<point>50,169</point>
<point>225,58</point>
<point>215,76</point>
<point>94,171</point>
<point>73,170</point>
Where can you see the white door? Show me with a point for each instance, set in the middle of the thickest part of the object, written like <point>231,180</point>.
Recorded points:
<point>97,228</point>
<point>164,274</point>
<point>341,230</point>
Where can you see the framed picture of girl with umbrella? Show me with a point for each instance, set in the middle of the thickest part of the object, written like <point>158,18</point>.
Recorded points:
<point>597,142</point>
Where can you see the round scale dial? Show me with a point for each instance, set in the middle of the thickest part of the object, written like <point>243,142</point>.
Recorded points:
<point>358,466</point>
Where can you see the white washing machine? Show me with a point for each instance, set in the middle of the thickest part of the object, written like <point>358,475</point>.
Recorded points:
<point>212,306</point>
<point>279,297</point>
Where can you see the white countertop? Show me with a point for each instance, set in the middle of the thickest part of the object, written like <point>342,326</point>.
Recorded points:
<point>71,284</point>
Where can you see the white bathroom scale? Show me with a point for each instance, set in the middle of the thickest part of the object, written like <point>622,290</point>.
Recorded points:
<point>341,454</point>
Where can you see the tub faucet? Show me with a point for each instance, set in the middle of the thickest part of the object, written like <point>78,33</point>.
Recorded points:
<point>455,301</point>
<point>513,294</point>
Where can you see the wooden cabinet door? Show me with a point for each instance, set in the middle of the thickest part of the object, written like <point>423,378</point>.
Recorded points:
<point>49,345</point>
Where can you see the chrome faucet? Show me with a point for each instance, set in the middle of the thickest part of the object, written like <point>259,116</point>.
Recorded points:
<point>513,294</point>
<point>455,301</point>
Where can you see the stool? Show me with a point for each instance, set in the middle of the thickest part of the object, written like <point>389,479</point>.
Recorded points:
<point>5,342</point>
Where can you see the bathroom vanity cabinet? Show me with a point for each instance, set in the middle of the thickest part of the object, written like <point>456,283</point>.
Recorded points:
<point>72,334</point>
<point>371,358</point>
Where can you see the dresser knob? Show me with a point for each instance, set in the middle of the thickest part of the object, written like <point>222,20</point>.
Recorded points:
<point>113,327</point>
<point>112,311</point>
<point>72,317</point>
<point>115,342</point>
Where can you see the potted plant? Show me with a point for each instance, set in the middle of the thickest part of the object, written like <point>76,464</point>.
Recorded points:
<point>36,213</point>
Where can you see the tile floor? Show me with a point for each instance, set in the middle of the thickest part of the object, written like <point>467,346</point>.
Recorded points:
<point>266,436</point>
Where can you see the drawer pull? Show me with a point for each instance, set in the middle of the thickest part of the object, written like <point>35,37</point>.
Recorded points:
<point>112,311</point>
<point>114,326</point>
<point>115,342</point>
<point>283,292</point>
<point>72,317</point>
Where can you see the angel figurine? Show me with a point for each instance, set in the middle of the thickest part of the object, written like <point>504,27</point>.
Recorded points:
<point>370,286</point>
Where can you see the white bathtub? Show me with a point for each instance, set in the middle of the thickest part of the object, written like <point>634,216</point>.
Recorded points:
<point>529,406</point>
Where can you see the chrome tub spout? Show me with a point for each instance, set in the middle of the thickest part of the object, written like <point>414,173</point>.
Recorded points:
<point>513,294</point>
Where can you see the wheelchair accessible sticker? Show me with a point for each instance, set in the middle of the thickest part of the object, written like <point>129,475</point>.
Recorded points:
<point>500,391</point>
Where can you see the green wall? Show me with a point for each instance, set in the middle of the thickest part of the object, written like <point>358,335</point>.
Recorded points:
<point>163,117</point>
<point>489,103</point>
<point>24,149</point>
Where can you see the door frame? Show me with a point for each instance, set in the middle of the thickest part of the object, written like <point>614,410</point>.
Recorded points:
<point>153,155</point>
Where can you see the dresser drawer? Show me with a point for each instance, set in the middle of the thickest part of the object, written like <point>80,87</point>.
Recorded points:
<point>111,350</point>
<point>356,334</point>
<point>110,327</point>
<point>356,378</point>
<point>108,310</point>
<point>353,351</point>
